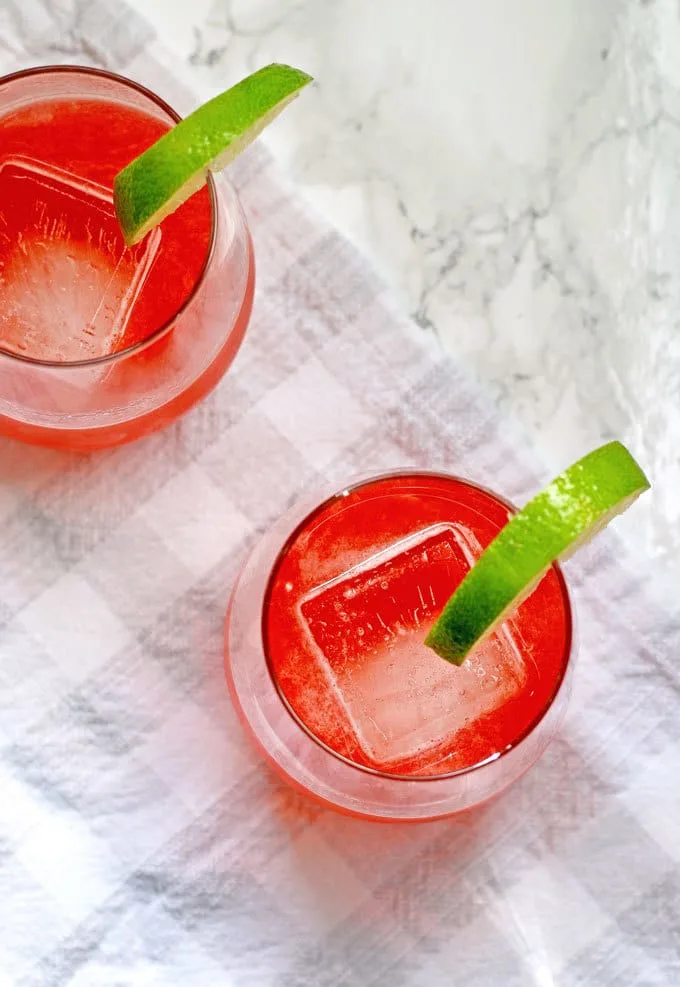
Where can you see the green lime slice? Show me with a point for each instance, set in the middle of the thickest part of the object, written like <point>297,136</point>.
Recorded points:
<point>154,184</point>
<point>561,518</point>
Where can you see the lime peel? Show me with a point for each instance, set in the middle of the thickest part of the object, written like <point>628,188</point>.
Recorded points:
<point>567,513</point>
<point>160,179</point>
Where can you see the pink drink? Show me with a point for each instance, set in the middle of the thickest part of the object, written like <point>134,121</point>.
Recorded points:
<point>328,666</point>
<point>99,343</point>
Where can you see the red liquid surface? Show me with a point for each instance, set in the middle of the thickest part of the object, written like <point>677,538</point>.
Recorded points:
<point>61,251</point>
<point>350,602</point>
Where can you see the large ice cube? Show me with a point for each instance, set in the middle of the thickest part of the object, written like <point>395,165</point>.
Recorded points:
<point>368,627</point>
<point>68,282</point>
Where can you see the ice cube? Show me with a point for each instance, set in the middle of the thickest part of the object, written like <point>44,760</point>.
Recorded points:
<point>68,282</point>
<point>368,626</point>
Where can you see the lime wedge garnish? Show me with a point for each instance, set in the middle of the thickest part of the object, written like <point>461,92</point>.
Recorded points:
<point>561,518</point>
<point>154,184</point>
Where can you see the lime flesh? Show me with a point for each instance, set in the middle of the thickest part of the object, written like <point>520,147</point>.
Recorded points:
<point>160,179</point>
<point>562,517</point>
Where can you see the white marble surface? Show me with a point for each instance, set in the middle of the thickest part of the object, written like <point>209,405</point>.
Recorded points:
<point>512,167</point>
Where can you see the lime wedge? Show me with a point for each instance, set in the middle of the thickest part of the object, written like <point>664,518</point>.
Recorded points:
<point>568,513</point>
<point>154,184</point>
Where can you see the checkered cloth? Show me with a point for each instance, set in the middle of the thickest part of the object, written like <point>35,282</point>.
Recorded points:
<point>142,842</point>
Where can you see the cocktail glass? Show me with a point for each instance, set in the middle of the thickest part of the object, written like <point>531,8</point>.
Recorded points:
<point>327,666</point>
<point>101,344</point>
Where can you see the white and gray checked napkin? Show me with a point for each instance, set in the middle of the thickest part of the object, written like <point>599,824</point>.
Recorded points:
<point>141,840</point>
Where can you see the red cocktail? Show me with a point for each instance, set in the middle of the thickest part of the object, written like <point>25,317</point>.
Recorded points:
<point>99,343</point>
<point>328,667</point>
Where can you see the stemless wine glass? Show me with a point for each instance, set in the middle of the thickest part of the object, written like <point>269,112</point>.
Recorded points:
<point>91,403</point>
<point>327,667</point>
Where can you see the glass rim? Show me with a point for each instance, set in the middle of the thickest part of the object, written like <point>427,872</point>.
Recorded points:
<point>377,772</point>
<point>165,327</point>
